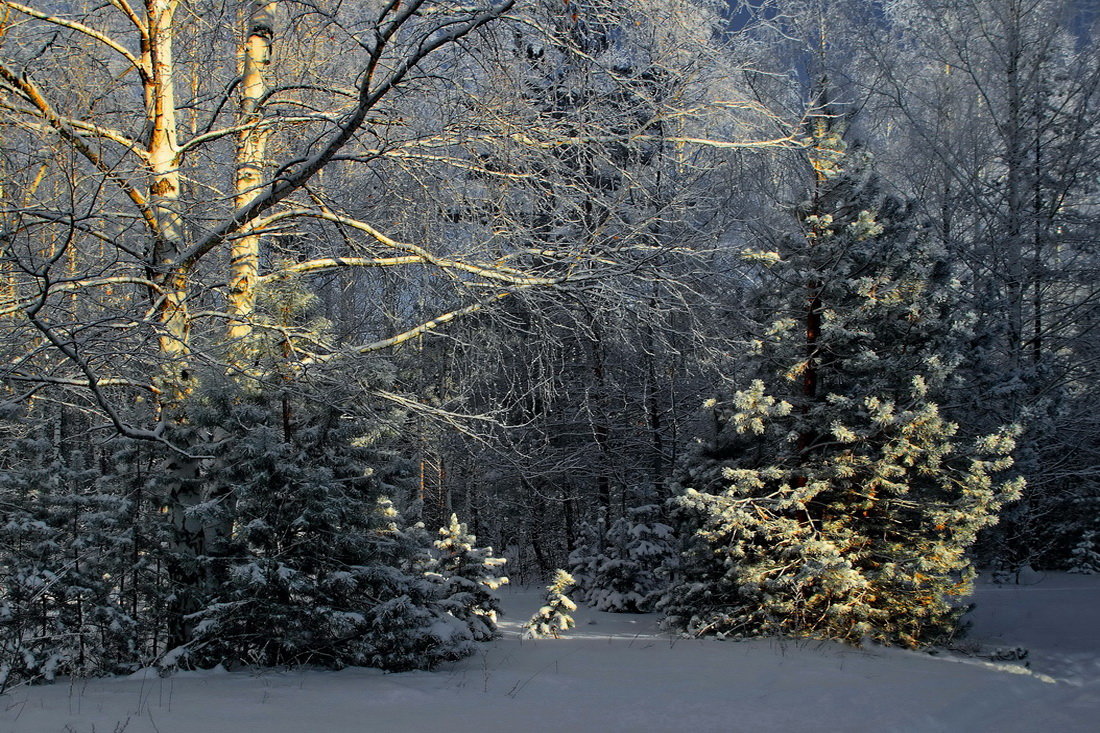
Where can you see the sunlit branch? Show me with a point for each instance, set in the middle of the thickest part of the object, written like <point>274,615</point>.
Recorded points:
<point>501,274</point>
<point>335,263</point>
<point>29,91</point>
<point>56,287</point>
<point>411,333</point>
<point>212,135</point>
<point>83,383</point>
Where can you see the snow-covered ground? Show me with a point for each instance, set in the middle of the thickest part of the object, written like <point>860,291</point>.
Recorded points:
<point>619,673</point>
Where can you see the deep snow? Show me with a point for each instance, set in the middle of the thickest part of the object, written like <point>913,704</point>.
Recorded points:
<point>619,673</point>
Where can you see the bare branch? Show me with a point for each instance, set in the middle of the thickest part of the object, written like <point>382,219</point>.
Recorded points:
<point>94,383</point>
<point>133,17</point>
<point>80,28</point>
<point>68,382</point>
<point>29,91</point>
<point>293,176</point>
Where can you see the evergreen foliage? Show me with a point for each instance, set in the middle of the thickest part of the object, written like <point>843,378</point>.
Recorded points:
<point>552,618</point>
<point>833,499</point>
<point>631,575</point>
<point>471,577</point>
<point>303,557</point>
<point>64,538</point>
<point>584,559</point>
<point>315,551</point>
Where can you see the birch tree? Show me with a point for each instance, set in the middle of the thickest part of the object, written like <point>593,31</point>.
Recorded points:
<point>138,189</point>
<point>168,163</point>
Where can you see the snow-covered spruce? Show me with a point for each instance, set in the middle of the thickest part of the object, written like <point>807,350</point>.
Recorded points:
<point>583,560</point>
<point>471,577</point>
<point>319,567</point>
<point>309,560</point>
<point>631,575</point>
<point>833,499</point>
<point>1083,524</point>
<point>62,539</point>
<point>553,618</point>
<point>415,629</point>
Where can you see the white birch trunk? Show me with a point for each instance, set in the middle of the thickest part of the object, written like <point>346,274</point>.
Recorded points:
<point>251,150</point>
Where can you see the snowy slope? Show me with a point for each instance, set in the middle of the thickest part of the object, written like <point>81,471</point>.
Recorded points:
<point>619,673</point>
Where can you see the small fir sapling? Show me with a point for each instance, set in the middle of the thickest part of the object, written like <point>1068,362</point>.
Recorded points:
<point>1086,555</point>
<point>553,618</point>
<point>471,577</point>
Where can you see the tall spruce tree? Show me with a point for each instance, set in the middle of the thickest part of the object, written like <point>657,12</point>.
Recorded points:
<point>833,499</point>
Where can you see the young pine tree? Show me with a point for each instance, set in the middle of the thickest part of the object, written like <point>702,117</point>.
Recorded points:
<point>833,499</point>
<point>553,618</point>
<point>471,577</point>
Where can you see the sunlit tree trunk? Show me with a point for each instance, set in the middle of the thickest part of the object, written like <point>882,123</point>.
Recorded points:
<point>251,150</point>
<point>164,194</point>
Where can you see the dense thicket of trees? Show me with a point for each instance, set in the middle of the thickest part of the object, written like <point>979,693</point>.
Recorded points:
<point>283,285</point>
